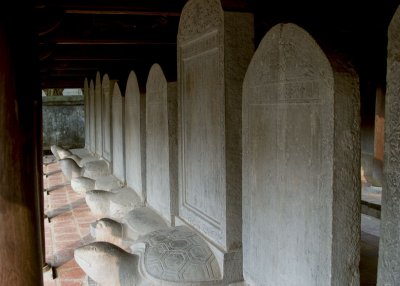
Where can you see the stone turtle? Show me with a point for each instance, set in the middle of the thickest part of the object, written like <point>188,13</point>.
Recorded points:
<point>134,225</point>
<point>175,256</point>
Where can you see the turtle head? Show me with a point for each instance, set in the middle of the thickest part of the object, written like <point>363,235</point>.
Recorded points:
<point>106,229</point>
<point>107,264</point>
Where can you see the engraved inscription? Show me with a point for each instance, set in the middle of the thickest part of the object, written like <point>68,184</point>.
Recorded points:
<point>203,131</point>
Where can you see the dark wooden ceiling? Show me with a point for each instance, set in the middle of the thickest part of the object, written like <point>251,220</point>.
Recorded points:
<point>76,38</point>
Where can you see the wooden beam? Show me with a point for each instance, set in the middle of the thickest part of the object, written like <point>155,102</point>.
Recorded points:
<point>91,11</point>
<point>82,41</point>
<point>110,52</point>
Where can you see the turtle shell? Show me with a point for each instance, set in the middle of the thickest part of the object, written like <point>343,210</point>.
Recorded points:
<point>178,254</point>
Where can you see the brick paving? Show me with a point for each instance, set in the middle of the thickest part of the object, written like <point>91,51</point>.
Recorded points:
<point>68,228</point>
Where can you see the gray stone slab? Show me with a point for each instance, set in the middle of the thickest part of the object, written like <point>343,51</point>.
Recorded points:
<point>98,115</point>
<point>161,144</point>
<point>87,111</point>
<point>135,155</point>
<point>214,49</point>
<point>107,89</point>
<point>389,245</point>
<point>117,127</point>
<point>301,164</point>
<point>92,118</point>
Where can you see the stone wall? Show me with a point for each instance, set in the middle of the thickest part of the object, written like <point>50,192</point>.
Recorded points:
<point>63,121</point>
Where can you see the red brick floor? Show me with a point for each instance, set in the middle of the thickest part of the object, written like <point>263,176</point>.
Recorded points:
<point>68,227</point>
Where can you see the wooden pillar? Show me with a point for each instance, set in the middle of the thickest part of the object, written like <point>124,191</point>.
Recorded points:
<point>20,244</point>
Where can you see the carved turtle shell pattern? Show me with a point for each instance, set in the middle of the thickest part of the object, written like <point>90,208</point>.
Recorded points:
<point>180,255</point>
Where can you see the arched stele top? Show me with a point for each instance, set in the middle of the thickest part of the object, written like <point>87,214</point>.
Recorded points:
<point>286,52</point>
<point>133,136</point>
<point>156,84</point>
<point>157,143</point>
<point>389,244</point>
<point>300,164</point>
<point>198,17</point>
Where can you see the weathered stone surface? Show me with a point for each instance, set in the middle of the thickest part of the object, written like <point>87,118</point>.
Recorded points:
<point>389,244</point>
<point>59,152</point>
<point>92,118</point>
<point>81,152</point>
<point>98,115</point>
<point>112,204</point>
<point>161,144</point>
<point>301,176</point>
<point>107,230</point>
<point>107,90</point>
<point>135,154</point>
<point>81,185</point>
<point>108,183</point>
<point>87,111</point>
<point>96,169</point>
<point>135,224</point>
<point>171,257</point>
<point>214,49</point>
<point>70,168</point>
<point>113,265</point>
<point>141,221</point>
<point>117,127</point>
<point>63,121</point>
<point>178,255</point>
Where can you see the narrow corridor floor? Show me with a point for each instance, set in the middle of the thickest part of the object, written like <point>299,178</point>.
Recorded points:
<point>67,227</point>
